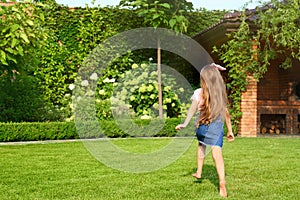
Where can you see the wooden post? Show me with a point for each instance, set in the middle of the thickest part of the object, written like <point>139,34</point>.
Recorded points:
<point>160,107</point>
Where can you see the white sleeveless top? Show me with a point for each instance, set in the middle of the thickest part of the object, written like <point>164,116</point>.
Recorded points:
<point>196,95</point>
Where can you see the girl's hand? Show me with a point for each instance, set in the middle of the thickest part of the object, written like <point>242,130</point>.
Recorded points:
<point>230,137</point>
<point>180,126</point>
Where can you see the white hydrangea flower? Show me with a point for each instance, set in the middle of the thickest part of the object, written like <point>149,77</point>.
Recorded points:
<point>144,65</point>
<point>168,100</point>
<point>132,89</point>
<point>134,66</point>
<point>154,73</point>
<point>101,92</point>
<point>145,112</point>
<point>142,88</point>
<point>71,86</point>
<point>106,80</point>
<point>84,83</point>
<point>132,98</point>
<point>167,88</point>
<point>175,97</point>
<point>90,93</point>
<point>94,76</point>
<point>152,96</point>
<point>150,88</point>
<point>145,117</point>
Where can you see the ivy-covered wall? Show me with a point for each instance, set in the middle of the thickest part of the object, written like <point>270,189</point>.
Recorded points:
<point>66,37</point>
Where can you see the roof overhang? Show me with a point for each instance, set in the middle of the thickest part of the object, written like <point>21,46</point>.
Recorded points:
<point>217,34</point>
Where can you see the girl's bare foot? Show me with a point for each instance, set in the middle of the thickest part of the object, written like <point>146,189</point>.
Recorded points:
<point>197,175</point>
<point>223,191</point>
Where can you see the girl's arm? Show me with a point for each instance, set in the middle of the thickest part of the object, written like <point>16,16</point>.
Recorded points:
<point>193,108</point>
<point>230,135</point>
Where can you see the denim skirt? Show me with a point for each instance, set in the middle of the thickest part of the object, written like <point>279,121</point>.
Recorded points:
<point>211,134</point>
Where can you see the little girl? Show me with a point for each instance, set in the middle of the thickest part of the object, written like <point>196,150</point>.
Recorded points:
<point>210,102</point>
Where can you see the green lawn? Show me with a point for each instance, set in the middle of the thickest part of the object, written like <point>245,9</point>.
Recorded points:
<point>256,168</point>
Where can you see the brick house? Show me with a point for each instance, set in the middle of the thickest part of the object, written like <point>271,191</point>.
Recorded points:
<point>270,106</point>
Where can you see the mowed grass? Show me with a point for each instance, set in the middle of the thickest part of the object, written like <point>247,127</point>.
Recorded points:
<point>256,168</point>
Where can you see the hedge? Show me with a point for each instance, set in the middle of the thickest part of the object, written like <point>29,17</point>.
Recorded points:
<point>12,132</point>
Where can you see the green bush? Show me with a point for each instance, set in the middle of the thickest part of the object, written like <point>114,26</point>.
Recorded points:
<point>11,132</point>
<point>21,100</point>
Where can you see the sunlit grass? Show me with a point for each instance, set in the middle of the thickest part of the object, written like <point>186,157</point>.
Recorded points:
<point>256,168</point>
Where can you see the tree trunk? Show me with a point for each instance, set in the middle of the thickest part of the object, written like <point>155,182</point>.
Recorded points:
<point>159,79</point>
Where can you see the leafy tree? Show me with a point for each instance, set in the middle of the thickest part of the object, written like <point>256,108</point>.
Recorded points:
<point>21,37</point>
<point>278,32</point>
<point>164,14</point>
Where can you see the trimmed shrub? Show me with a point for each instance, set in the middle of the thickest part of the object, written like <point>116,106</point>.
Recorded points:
<point>12,132</point>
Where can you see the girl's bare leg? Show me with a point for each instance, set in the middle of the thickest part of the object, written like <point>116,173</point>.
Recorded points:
<point>219,162</point>
<point>200,160</point>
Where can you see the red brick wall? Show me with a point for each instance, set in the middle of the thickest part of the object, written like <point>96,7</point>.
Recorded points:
<point>248,125</point>
<point>271,96</point>
<point>271,89</point>
<point>269,86</point>
<point>289,75</point>
<point>275,83</point>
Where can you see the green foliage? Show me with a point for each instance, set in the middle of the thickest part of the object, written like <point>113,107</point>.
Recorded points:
<point>163,13</point>
<point>20,38</point>
<point>237,53</point>
<point>249,52</point>
<point>112,130</point>
<point>10,132</point>
<point>202,19</point>
<point>71,35</point>
<point>74,34</point>
<point>138,89</point>
<point>21,100</point>
<point>278,32</point>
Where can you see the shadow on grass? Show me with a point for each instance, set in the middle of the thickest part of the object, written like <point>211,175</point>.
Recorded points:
<point>209,173</point>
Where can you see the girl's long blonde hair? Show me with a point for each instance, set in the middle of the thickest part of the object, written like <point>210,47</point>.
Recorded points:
<point>214,95</point>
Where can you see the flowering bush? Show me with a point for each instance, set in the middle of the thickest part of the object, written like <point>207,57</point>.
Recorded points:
<point>131,94</point>
<point>138,89</point>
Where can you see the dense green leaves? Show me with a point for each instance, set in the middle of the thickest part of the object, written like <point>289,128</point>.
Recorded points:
<point>21,35</point>
<point>249,52</point>
<point>279,32</point>
<point>71,34</point>
<point>239,56</point>
<point>162,13</point>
